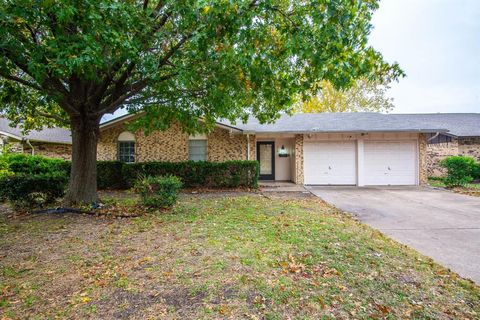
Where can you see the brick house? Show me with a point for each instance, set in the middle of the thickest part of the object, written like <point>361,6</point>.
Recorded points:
<point>317,149</point>
<point>462,138</point>
<point>48,142</point>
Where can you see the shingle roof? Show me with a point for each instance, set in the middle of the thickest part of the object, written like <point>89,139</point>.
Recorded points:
<point>52,135</point>
<point>340,122</point>
<point>458,124</point>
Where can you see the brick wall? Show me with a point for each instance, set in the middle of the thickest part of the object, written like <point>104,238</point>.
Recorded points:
<point>299,175</point>
<point>436,153</point>
<point>172,145</point>
<point>457,147</point>
<point>223,146</point>
<point>51,150</point>
<point>469,147</point>
<point>422,158</point>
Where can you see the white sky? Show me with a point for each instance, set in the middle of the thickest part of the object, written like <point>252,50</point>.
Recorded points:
<point>437,44</point>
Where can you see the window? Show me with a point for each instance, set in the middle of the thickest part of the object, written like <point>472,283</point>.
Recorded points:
<point>126,147</point>
<point>197,148</point>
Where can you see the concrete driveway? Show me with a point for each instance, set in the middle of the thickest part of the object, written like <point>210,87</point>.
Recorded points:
<point>440,224</point>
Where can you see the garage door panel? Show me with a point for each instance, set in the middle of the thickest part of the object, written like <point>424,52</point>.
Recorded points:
<point>390,163</point>
<point>330,163</point>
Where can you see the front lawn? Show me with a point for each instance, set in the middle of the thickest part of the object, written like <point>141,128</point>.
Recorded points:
<point>472,189</point>
<point>221,256</point>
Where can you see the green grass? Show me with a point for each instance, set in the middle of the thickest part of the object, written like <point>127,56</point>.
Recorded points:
<point>222,257</point>
<point>472,189</point>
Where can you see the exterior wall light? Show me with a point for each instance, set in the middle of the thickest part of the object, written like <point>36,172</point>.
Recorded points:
<point>282,152</point>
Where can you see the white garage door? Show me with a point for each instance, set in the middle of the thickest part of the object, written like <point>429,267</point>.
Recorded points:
<point>390,163</point>
<point>331,163</point>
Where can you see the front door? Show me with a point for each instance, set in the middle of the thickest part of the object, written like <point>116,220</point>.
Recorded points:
<point>266,157</point>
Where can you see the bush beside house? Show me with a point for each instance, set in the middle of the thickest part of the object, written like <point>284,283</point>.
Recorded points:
<point>29,181</point>
<point>460,170</point>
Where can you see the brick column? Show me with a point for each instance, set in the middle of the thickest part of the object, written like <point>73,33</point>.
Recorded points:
<point>299,178</point>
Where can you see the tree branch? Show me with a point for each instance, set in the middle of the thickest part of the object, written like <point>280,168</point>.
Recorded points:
<point>52,116</point>
<point>21,81</point>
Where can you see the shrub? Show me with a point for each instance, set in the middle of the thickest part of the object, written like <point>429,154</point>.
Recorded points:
<point>229,174</point>
<point>109,175</point>
<point>460,170</point>
<point>159,192</point>
<point>33,165</point>
<point>476,171</point>
<point>29,191</point>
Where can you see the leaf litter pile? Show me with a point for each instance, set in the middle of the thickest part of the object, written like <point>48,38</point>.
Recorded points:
<point>228,257</point>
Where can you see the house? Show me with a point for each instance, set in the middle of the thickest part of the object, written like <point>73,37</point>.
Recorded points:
<point>462,138</point>
<point>314,149</point>
<point>48,142</point>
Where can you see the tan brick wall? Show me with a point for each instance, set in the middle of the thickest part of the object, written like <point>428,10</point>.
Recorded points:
<point>436,153</point>
<point>223,145</point>
<point>52,150</point>
<point>172,145</point>
<point>457,147</point>
<point>423,168</point>
<point>299,175</point>
<point>469,147</point>
<point>253,147</point>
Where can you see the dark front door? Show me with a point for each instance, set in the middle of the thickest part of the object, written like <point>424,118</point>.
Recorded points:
<point>266,157</point>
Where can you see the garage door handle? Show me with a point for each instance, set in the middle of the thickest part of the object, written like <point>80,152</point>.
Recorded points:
<point>389,168</point>
<point>329,168</point>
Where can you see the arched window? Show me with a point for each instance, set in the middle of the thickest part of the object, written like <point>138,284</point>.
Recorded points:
<point>126,147</point>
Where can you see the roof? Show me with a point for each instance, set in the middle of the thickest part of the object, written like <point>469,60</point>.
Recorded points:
<point>132,116</point>
<point>340,122</point>
<point>51,135</point>
<point>458,124</point>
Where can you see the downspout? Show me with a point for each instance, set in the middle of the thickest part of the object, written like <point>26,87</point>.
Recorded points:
<point>248,146</point>
<point>30,145</point>
<point>431,138</point>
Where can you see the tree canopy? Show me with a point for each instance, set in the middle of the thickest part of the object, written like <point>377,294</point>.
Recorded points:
<point>72,61</point>
<point>178,59</point>
<point>363,95</point>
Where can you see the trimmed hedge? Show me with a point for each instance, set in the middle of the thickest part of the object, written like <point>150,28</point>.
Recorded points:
<point>109,175</point>
<point>119,175</point>
<point>28,191</point>
<point>229,174</point>
<point>33,165</point>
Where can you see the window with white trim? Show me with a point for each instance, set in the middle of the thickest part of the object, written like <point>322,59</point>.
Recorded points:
<point>197,148</point>
<point>126,147</point>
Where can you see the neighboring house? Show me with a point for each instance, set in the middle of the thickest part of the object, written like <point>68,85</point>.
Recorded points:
<point>462,138</point>
<point>317,149</point>
<point>49,142</point>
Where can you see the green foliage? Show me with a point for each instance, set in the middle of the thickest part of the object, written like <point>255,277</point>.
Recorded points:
<point>4,167</point>
<point>26,191</point>
<point>229,174</point>
<point>32,165</point>
<point>460,170</point>
<point>363,95</point>
<point>109,175</point>
<point>159,192</point>
<point>228,59</point>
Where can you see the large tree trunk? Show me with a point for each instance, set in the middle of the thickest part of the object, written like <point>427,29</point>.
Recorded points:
<point>82,188</point>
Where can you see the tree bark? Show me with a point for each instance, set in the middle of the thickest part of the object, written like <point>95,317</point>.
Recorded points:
<point>82,188</point>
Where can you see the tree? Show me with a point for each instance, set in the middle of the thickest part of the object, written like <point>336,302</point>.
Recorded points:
<point>72,61</point>
<point>363,95</point>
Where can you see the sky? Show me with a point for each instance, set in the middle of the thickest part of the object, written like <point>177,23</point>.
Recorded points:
<point>437,44</point>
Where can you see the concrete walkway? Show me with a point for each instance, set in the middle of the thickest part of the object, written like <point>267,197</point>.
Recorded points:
<point>440,224</point>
